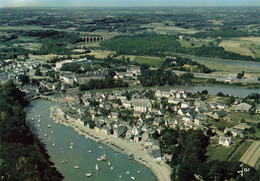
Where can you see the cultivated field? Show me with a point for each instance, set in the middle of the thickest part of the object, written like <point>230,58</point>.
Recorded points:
<point>161,28</point>
<point>251,156</point>
<point>153,61</point>
<point>243,46</point>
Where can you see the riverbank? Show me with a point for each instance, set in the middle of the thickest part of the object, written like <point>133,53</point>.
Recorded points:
<point>160,169</point>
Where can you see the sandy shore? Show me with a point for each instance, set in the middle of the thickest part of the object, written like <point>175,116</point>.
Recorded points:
<point>161,170</point>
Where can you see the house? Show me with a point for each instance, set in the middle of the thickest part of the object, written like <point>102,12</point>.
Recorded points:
<point>234,132</point>
<point>141,105</point>
<point>127,104</point>
<point>133,71</point>
<point>183,111</point>
<point>257,109</point>
<point>185,104</point>
<point>105,130</point>
<point>197,121</point>
<point>219,114</point>
<point>157,121</point>
<point>114,115</point>
<point>225,141</point>
<point>136,130</point>
<point>3,78</point>
<point>160,94</point>
<point>148,142</point>
<point>243,107</point>
<point>172,100</point>
<point>67,78</point>
<point>118,132</point>
<point>155,152</point>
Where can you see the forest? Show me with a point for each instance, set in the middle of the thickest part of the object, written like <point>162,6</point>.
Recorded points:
<point>163,45</point>
<point>31,162</point>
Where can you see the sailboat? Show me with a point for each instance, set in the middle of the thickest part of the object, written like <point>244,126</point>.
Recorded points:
<point>97,167</point>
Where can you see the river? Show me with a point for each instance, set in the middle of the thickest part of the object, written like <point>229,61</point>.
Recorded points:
<point>79,155</point>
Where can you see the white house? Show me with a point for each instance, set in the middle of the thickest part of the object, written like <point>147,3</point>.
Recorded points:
<point>225,141</point>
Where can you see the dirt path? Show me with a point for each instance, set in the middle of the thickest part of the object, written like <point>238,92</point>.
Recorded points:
<point>252,154</point>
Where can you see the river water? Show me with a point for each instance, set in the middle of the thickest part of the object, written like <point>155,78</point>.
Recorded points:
<point>79,155</point>
<point>212,90</point>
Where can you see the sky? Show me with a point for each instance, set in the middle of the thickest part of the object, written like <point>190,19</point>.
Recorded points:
<point>101,3</point>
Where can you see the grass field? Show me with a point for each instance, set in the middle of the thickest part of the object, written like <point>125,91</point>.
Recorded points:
<point>218,152</point>
<point>153,61</point>
<point>197,43</point>
<point>243,46</point>
<point>240,151</point>
<point>225,66</point>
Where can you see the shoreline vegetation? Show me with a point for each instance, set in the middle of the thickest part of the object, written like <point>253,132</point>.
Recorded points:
<point>22,155</point>
<point>162,171</point>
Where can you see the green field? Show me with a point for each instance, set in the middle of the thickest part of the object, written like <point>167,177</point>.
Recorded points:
<point>153,61</point>
<point>240,151</point>
<point>219,152</point>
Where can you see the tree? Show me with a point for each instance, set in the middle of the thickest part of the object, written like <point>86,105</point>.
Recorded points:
<point>239,76</point>
<point>220,94</point>
<point>204,92</point>
<point>24,79</point>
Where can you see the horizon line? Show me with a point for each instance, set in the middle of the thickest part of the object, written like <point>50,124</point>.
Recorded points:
<point>118,6</point>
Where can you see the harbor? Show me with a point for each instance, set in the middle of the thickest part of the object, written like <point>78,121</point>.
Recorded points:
<point>79,161</point>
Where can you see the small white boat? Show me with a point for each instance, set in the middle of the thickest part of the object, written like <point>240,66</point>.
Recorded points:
<point>109,163</point>
<point>138,171</point>
<point>51,131</point>
<point>49,138</point>
<point>120,176</point>
<point>100,147</point>
<point>76,167</point>
<point>71,147</point>
<point>38,125</point>
<point>45,135</point>
<point>89,151</point>
<point>64,161</point>
<point>111,168</point>
<point>127,172</point>
<point>133,178</point>
<point>97,167</point>
<point>40,129</point>
<point>103,157</point>
<point>99,159</point>
<point>39,120</point>
<point>32,118</point>
<point>71,143</point>
<point>88,174</point>
<point>49,125</point>
<point>53,144</point>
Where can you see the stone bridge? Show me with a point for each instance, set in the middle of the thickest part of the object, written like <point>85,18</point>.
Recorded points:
<point>91,39</point>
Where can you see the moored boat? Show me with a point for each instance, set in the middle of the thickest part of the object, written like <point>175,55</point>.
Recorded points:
<point>88,174</point>
<point>64,161</point>
<point>97,167</point>
<point>133,178</point>
<point>76,167</point>
<point>112,168</point>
